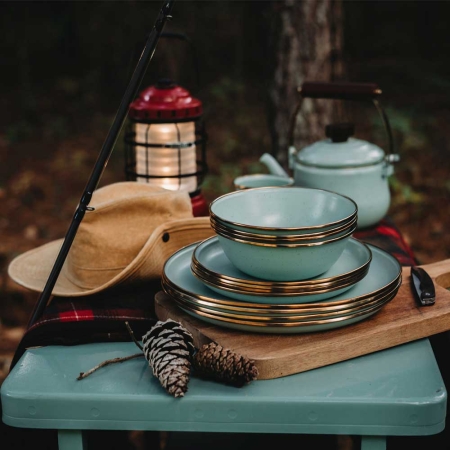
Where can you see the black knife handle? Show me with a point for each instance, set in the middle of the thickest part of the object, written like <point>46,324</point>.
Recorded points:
<point>422,286</point>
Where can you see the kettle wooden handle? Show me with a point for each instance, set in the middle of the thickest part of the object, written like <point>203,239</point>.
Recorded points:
<point>340,90</point>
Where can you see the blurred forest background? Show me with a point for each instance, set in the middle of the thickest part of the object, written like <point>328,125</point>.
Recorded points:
<point>66,64</point>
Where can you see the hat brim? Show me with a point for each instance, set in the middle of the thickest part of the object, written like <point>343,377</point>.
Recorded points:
<point>32,269</point>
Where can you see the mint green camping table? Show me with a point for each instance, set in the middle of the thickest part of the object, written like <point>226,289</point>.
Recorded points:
<point>395,392</point>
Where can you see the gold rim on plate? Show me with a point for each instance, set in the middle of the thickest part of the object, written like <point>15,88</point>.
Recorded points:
<point>264,315</point>
<point>265,284</point>
<point>268,288</point>
<point>244,289</point>
<point>300,324</point>
<point>326,306</point>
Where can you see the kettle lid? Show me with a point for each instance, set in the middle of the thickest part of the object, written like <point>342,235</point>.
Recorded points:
<point>340,150</point>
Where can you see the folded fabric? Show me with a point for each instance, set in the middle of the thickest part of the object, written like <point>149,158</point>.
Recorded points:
<point>387,236</point>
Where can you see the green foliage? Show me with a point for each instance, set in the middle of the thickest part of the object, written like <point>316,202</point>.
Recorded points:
<point>222,182</point>
<point>404,193</point>
<point>19,131</point>
<point>57,127</point>
<point>226,91</point>
<point>410,127</point>
<point>239,111</point>
<point>256,167</point>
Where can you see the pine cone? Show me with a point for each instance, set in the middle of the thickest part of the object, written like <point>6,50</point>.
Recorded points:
<point>168,348</point>
<point>213,361</point>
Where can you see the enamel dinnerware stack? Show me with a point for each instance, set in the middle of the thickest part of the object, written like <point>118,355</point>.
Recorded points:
<point>283,234</point>
<point>255,274</point>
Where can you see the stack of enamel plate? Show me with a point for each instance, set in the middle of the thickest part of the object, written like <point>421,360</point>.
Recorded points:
<point>204,281</point>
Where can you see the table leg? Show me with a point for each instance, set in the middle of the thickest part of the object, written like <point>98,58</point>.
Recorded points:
<point>71,440</point>
<point>373,442</point>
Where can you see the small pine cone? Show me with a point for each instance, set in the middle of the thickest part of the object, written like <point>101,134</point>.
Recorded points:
<point>214,361</point>
<point>168,348</point>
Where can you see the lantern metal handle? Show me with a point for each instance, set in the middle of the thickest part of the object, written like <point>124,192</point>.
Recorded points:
<point>183,37</point>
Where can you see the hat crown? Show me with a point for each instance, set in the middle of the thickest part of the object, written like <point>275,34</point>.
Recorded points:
<point>111,235</point>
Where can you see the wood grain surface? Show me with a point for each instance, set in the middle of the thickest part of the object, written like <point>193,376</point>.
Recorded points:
<point>278,355</point>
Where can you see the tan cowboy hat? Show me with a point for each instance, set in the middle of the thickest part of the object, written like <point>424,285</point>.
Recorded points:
<point>132,230</point>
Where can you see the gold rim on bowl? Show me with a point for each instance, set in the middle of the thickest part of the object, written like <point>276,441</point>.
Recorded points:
<point>275,229</point>
<point>217,225</point>
<point>280,244</point>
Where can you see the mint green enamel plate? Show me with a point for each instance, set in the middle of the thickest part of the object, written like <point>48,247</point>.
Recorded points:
<point>309,326</point>
<point>383,274</point>
<point>278,314</point>
<point>212,267</point>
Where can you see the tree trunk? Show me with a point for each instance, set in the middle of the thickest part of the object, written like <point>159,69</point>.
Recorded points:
<point>306,42</point>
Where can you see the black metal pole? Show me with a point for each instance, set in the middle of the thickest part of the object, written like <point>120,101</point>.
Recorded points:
<point>104,155</point>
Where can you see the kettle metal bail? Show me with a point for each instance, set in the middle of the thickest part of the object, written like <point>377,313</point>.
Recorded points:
<point>341,91</point>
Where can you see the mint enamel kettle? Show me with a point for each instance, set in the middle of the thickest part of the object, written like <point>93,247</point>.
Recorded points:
<point>341,163</point>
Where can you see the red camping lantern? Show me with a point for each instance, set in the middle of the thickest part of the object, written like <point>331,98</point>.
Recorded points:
<point>165,144</point>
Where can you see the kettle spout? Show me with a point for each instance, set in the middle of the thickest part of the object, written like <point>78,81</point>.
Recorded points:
<point>273,165</point>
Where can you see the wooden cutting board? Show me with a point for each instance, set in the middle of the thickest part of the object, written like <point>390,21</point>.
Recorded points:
<point>400,321</point>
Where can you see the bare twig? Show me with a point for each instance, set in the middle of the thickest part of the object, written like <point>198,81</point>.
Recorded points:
<point>115,360</point>
<point>132,335</point>
<point>106,363</point>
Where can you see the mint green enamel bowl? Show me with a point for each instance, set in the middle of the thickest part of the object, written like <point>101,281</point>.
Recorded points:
<point>284,262</point>
<point>301,221</point>
<point>283,211</point>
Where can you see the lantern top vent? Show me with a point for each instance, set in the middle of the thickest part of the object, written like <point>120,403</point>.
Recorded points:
<point>165,102</point>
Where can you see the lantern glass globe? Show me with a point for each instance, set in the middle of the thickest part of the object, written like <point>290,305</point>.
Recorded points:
<point>170,162</point>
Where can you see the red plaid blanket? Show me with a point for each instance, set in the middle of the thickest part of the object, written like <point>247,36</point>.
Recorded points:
<point>101,317</point>
<point>388,237</point>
